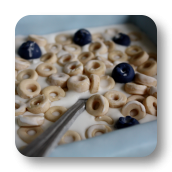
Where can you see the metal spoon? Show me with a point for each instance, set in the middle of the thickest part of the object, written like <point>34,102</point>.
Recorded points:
<point>49,139</point>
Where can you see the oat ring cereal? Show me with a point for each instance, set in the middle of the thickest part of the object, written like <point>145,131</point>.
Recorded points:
<point>133,88</point>
<point>112,31</point>
<point>54,48</point>
<point>27,74</point>
<point>116,99</point>
<point>97,37</point>
<point>95,67</point>
<point>49,58</point>
<point>107,63</point>
<point>148,68</point>
<point>107,119</point>
<point>92,130</point>
<point>134,109</point>
<point>30,120</point>
<point>138,98</point>
<point>39,104</point>
<point>107,82</point>
<point>41,41</point>
<point>133,50</point>
<point>53,93</point>
<point>153,56</point>
<point>16,73</point>
<point>139,59</point>
<point>73,134</point>
<point>152,91</point>
<point>98,47</point>
<point>110,45</point>
<point>84,57</point>
<point>78,83</point>
<point>135,36</point>
<point>117,55</point>
<point>20,107</point>
<point>21,64</point>
<point>97,105</point>
<point>94,83</point>
<point>16,85</point>
<point>145,80</point>
<point>29,134</point>
<point>73,68</point>
<point>150,104</point>
<point>46,69</point>
<point>63,39</point>
<point>72,48</point>
<point>28,88</point>
<point>66,58</point>
<point>58,79</point>
<point>54,113</point>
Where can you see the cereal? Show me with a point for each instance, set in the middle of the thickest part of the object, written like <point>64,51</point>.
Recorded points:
<point>133,50</point>
<point>107,119</point>
<point>148,68</point>
<point>97,37</point>
<point>63,39</point>
<point>53,93</point>
<point>78,83</point>
<point>73,68</point>
<point>54,113</point>
<point>97,105</point>
<point>39,104</point>
<point>98,48</point>
<point>145,80</point>
<point>46,69</point>
<point>138,98</point>
<point>94,83</point>
<point>66,58</point>
<point>83,72</point>
<point>92,130</point>
<point>30,120</point>
<point>115,98</point>
<point>49,57</point>
<point>139,59</point>
<point>134,109</point>
<point>150,104</point>
<point>28,88</point>
<point>117,55</point>
<point>73,134</point>
<point>16,73</point>
<point>133,88</point>
<point>152,91</point>
<point>20,107</point>
<point>58,79</point>
<point>107,63</point>
<point>85,57</point>
<point>41,41</point>
<point>54,48</point>
<point>110,45</point>
<point>16,85</point>
<point>72,48</point>
<point>21,64</point>
<point>107,82</point>
<point>95,67</point>
<point>27,74</point>
<point>29,134</point>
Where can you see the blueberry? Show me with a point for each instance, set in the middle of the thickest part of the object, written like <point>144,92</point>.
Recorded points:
<point>123,73</point>
<point>122,39</point>
<point>82,37</point>
<point>29,50</point>
<point>124,122</point>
